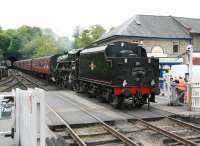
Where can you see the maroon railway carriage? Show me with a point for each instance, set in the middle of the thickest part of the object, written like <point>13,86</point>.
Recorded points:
<point>42,66</point>
<point>24,64</point>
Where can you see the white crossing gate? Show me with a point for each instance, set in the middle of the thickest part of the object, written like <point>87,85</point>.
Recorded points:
<point>30,117</point>
<point>196,96</point>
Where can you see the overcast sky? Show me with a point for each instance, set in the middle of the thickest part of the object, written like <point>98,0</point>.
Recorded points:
<point>62,16</point>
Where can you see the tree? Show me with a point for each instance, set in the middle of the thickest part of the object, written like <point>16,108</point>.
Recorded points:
<point>4,42</point>
<point>43,47</point>
<point>1,29</point>
<point>86,37</point>
<point>27,36</point>
<point>28,42</point>
<point>14,45</point>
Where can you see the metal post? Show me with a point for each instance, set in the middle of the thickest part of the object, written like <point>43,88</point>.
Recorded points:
<point>189,53</point>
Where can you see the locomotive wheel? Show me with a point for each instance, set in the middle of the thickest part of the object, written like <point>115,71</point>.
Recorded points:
<point>138,105</point>
<point>75,86</point>
<point>101,99</point>
<point>63,84</point>
<point>70,86</point>
<point>140,100</point>
<point>116,101</point>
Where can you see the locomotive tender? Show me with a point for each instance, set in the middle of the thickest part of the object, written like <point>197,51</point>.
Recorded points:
<point>113,73</point>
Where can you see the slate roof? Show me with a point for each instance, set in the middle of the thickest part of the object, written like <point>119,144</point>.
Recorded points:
<point>192,25</point>
<point>150,26</point>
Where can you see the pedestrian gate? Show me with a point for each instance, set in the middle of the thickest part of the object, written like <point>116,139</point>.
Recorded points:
<point>196,96</point>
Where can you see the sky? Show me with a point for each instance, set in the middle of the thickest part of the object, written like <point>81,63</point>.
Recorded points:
<point>62,16</point>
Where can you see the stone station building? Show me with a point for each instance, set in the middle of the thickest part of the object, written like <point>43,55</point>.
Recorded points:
<point>167,35</point>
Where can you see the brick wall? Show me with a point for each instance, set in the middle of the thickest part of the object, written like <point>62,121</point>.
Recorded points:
<point>196,42</point>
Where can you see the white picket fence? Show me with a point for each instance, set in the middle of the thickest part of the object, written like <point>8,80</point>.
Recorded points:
<point>169,91</point>
<point>30,117</point>
<point>196,96</point>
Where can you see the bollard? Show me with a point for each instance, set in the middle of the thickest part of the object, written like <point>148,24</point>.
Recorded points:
<point>173,96</point>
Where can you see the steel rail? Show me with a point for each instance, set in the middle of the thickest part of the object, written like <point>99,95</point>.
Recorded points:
<point>107,127</point>
<point>21,82</point>
<point>75,137</point>
<point>165,132</point>
<point>8,80</point>
<point>35,83</point>
<point>30,82</point>
<point>193,127</point>
<point>10,87</point>
<point>168,134</point>
<point>155,128</point>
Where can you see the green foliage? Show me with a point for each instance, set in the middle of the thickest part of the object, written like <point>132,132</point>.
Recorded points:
<point>44,46</point>
<point>4,42</point>
<point>86,37</point>
<point>28,42</point>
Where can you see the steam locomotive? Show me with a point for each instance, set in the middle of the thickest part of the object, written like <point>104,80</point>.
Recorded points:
<point>112,73</point>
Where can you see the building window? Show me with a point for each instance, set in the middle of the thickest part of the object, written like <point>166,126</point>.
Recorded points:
<point>175,47</point>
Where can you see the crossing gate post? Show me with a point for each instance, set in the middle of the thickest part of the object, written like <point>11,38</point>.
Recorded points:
<point>30,117</point>
<point>189,97</point>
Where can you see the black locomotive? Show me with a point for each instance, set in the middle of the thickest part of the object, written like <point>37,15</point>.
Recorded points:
<point>67,69</point>
<point>112,73</point>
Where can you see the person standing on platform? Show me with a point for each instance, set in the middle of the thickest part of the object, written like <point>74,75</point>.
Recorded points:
<point>180,88</point>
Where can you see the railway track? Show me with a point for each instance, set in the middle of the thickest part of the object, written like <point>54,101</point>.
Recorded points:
<point>26,82</point>
<point>8,83</point>
<point>100,130</point>
<point>176,133</point>
<point>6,80</point>
<point>21,80</point>
<point>114,134</point>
